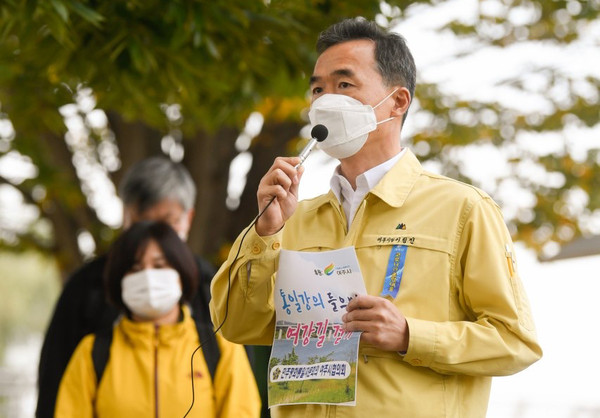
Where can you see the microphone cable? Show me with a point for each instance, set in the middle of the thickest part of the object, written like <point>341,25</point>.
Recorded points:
<point>226,301</point>
<point>318,134</point>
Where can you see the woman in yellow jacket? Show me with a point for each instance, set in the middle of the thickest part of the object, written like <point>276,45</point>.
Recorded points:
<point>149,276</point>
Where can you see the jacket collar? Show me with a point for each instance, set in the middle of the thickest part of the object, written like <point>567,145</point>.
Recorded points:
<point>393,188</point>
<point>146,331</point>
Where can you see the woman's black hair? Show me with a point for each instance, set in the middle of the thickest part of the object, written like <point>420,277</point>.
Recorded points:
<point>130,247</point>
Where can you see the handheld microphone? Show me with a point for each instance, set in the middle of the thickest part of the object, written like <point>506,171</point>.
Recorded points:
<point>318,134</point>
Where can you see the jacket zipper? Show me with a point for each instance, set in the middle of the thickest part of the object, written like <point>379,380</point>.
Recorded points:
<point>341,215</point>
<point>156,372</point>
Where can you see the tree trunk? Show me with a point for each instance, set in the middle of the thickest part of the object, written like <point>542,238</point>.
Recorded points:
<point>272,142</point>
<point>208,157</point>
<point>66,230</point>
<point>135,140</point>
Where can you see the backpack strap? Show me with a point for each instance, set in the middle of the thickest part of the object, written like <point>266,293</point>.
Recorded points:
<point>206,335</point>
<point>201,315</point>
<point>210,346</point>
<point>101,351</point>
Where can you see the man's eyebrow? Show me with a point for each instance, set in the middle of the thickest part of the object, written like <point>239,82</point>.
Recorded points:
<point>344,72</point>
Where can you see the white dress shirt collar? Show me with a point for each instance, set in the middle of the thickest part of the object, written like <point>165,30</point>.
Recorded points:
<point>351,199</point>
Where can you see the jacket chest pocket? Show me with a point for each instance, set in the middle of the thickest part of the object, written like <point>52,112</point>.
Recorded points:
<point>313,242</point>
<point>422,274</point>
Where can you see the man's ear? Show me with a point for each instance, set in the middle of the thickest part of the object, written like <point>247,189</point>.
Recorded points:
<point>402,101</point>
<point>190,216</point>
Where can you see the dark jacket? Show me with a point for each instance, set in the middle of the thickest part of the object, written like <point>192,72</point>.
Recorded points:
<point>83,309</point>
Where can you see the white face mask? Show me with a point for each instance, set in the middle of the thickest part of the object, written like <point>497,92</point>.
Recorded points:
<point>151,293</point>
<point>347,120</point>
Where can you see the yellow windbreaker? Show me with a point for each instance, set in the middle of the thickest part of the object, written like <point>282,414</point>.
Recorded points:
<point>468,316</point>
<point>148,375</point>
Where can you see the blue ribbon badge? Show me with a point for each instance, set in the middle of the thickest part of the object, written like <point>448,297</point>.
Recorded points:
<point>393,275</point>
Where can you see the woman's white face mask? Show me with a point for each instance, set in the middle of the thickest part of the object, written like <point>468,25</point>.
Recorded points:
<point>151,293</point>
<point>348,121</point>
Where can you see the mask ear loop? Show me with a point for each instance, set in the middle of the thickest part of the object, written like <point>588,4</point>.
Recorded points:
<point>385,120</point>
<point>383,100</point>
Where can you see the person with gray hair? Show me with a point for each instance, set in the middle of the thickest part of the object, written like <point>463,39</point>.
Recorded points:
<point>155,189</point>
<point>155,181</point>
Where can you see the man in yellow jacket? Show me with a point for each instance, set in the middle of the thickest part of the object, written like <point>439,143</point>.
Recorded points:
<point>445,308</point>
